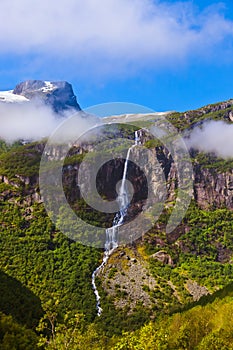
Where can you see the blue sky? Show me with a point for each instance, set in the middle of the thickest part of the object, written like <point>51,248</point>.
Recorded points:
<point>165,55</point>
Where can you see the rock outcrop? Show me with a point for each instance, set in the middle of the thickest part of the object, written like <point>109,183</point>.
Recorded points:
<point>57,94</point>
<point>195,290</point>
<point>163,257</point>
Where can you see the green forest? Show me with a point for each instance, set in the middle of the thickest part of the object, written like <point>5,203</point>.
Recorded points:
<point>47,300</point>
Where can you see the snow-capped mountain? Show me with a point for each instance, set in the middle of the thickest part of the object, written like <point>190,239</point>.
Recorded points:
<point>59,94</point>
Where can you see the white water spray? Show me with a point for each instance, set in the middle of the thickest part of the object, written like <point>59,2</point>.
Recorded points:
<point>111,242</point>
<point>138,137</point>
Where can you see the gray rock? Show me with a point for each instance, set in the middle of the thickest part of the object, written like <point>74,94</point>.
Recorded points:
<point>163,256</point>
<point>195,290</point>
<point>59,94</point>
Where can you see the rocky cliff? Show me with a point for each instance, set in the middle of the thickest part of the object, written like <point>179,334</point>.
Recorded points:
<point>59,94</point>
<point>212,188</point>
<point>152,269</point>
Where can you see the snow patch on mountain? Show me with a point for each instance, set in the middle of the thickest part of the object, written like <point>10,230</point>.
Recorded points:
<point>48,87</point>
<point>58,95</point>
<point>10,97</point>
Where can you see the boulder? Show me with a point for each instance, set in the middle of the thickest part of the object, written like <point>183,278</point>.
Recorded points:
<point>163,256</point>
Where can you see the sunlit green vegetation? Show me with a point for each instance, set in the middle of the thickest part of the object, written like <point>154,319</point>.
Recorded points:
<point>47,301</point>
<point>185,120</point>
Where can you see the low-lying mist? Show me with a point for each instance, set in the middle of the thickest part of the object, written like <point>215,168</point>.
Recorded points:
<point>213,136</point>
<point>33,121</point>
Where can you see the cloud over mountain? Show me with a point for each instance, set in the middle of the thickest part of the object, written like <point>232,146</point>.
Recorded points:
<point>34,120</point>
<point>26,121</point>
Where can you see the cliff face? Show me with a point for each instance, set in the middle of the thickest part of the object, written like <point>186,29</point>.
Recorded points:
<point>22,190</point>
<point>213,189</point>
<point>147,171</point>
<point>57,94</point>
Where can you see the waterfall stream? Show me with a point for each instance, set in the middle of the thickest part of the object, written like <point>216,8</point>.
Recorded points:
<point>111,242</point>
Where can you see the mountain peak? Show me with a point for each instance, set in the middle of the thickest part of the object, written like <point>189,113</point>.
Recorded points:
<point>58,94</point>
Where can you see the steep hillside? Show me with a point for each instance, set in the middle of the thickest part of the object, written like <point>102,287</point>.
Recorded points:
<point>59,94</point>
<point>155,275</point>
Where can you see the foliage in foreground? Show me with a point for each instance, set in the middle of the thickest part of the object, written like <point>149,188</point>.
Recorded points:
<point>201,328</point>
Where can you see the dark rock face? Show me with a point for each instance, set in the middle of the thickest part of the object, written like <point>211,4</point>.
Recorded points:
<point>58,94</point>
<point>213,189</point>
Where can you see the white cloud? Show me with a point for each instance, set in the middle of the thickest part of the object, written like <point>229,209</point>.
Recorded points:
<point>34,120</point>
<point>126,31</point>
<point>26,121</point>
<point>213,136</point>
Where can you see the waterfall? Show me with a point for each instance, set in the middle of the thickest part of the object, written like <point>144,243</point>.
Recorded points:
<point>111,242</point>
<point>138,137</point>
